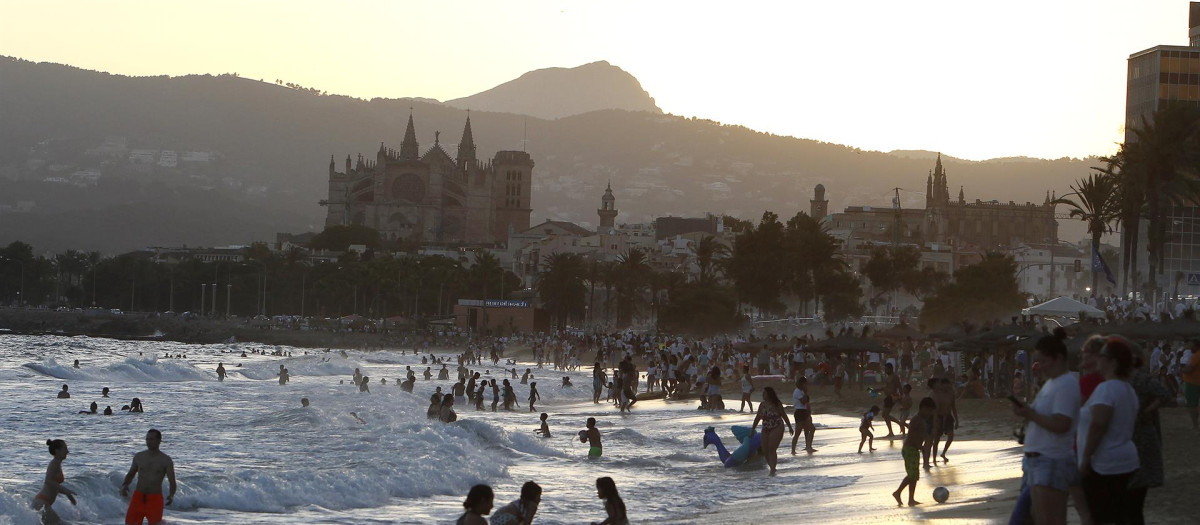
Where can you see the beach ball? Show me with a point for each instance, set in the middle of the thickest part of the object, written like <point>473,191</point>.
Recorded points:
<point>941,494</point>
<point>582,436</point>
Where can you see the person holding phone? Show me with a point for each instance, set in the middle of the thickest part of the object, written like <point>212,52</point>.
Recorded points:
<point>1049,464</point>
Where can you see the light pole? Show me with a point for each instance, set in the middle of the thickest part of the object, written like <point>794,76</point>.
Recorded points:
<point>262,291</point>
<point>228,294</point>
<point>203,294</point>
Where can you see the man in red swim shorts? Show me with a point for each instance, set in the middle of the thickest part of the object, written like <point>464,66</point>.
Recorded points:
<point>150,466</point>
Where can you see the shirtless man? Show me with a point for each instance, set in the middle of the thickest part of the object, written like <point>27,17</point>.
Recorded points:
<point>945,420</point>
<point>150,466</point>
<point>591,435</point>
<point>220,371</point>
<point>891,393</point>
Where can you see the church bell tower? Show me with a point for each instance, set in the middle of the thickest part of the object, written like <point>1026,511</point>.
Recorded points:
<point>607,211</point>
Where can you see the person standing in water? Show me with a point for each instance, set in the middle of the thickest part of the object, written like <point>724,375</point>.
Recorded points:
<point>803,407</point>
<point>495,394</point>
<point>53,486</point>
<point>478,504</point>
<point>521,511</point>
<point>533,395</point>
<point>220,371</point>
<point>591,435</point>
<point>614,507</point>
<point>544,431</point>
<point>747,388</point>
<point>362,385</point>
<point>150,466</point>
<point>63,394</point>
<point>770,412</point>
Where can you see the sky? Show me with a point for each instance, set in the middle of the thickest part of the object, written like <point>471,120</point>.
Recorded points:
<point>972,79</point>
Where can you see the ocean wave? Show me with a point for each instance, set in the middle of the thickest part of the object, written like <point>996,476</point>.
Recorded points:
<point>133,369</point>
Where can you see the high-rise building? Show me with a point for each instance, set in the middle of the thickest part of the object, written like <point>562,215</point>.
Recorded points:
<point>1158,77</point>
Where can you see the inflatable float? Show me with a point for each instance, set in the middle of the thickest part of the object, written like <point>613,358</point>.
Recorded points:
<point>750,443</point>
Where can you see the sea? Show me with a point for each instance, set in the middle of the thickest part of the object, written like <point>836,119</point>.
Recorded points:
<point>245,451</point>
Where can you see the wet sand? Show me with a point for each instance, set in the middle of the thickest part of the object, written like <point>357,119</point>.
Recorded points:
<point>983,475</point>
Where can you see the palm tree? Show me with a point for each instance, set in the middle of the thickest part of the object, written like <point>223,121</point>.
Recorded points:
<point>632,276</point>
<point>709,254</point>
<point>1130,199</point>
<point>1098,206</point>
<point>1161,158</point>
<point>561,288</point>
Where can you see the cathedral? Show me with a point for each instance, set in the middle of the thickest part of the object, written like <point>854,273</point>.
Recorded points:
<point>433,197</point>
<point>987,224</point>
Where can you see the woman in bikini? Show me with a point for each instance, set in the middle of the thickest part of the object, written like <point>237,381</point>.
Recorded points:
<point>770,412</point>
<point>53,485</point>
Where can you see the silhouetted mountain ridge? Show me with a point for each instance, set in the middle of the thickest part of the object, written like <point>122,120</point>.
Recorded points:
<point>561,92</point>
<point>274,145</point>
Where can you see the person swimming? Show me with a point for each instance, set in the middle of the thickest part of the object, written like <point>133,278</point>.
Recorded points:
<point>104,392</point>
<point>108,410</point>
<point>92,410</point>
<point>304,402</point>
<point>134,406</point>
<point>63,394</point>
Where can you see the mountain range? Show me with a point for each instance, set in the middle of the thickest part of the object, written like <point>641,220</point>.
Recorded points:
<point>82,162</point>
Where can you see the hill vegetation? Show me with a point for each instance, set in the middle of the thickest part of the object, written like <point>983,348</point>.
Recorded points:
<point>272,144</point>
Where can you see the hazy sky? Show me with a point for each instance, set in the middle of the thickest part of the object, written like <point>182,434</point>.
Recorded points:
<point>973,79</point>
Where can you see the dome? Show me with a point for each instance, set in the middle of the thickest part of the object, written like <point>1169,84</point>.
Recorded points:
<point>819,192</point>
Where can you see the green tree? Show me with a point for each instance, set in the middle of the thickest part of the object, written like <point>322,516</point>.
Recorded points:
<point>757,266</point>
<point>890,268</point>
<point>981,292</point>
<point>1097,205</point>
<point>631,276</point>
<point>561,289</point>
<point>710,256</point>
<point>339,238</point>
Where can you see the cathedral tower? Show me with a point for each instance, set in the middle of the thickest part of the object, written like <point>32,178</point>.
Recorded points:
<point>607,211</point>
<point>818,207</point>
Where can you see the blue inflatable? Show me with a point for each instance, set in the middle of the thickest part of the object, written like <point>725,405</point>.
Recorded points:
<point>750,443</point>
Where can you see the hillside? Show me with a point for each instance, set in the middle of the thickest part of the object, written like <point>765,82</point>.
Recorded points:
<point>561,92</point>
<point>269,149</point>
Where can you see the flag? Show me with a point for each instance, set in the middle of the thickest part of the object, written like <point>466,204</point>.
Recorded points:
<point>1098,265</point>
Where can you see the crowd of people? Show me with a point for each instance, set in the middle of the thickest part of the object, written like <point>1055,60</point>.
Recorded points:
<point>1091,431</point>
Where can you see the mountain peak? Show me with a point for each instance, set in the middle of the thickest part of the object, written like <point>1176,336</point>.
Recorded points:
<point>558,92</point>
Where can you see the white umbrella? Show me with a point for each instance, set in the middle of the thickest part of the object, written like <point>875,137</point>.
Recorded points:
<point>1063,307</point>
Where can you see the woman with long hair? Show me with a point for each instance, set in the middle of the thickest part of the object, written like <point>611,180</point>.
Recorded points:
<point>770,412</point>
<point>1107,455</point>
<point>478,505</point>
<point>53,486</point>
<point>714,389</point>
<point>521,511</point>
<point>606,489</point>
<point>1147,437</point>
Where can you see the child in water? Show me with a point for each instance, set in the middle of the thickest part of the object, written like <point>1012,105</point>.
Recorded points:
<point>864,428</point>
<point>545,430</point>
<point>533,395</point>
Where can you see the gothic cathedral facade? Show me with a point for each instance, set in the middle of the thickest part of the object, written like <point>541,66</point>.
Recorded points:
<point>431,197</point>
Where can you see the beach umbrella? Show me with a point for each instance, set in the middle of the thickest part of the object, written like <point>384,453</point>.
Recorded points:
<point>1063,307</point>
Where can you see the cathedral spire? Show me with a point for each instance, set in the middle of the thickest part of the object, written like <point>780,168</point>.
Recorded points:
<point>331,165</point>
<point>466,146</point>
<point>961,199</point>
<point>408,148</point>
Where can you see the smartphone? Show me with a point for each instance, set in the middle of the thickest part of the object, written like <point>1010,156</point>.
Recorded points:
<point>1016,401</point>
